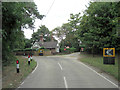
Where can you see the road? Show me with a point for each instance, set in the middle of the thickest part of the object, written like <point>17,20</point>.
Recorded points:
<point>64,72</point>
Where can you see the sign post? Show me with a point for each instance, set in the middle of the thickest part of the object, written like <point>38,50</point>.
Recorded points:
<point>109,56</point>
<point>41,52</point>
<point>17,63</point>
<point>28,59</point>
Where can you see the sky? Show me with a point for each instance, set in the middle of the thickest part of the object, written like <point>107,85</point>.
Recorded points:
<point>57,13</point>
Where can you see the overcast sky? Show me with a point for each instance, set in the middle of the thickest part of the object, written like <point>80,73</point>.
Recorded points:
<point>58,14</point>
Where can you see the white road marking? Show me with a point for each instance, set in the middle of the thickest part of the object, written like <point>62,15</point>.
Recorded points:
<point>60,66</point>
<point>99,74</point>
<point>35,68</point>
<point>22,83</point>
<point>19,87</point>
<point>66,86</point>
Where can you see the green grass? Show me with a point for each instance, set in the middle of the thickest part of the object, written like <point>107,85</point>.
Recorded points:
<point>97,61</point>
<point>11,79</point>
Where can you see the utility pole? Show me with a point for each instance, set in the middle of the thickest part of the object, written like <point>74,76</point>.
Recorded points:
<point>33,42</point>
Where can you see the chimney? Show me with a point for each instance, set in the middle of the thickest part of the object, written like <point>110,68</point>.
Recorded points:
<point>41,38</point>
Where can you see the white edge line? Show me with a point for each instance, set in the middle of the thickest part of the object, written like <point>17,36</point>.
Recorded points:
<point>60,66</point>
<point>22,83</point>
<point>66,86</point>
<point>35,68</point>
<point>28,76</point>
<point>99,74</point>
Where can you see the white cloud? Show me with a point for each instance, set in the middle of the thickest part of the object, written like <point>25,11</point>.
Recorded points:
<point>59,13</point>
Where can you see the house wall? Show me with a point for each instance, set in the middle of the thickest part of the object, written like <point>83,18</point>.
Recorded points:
<point>46,53</point>
<point>53,51</point>
<point>57,50</point>
<point>36,53</point>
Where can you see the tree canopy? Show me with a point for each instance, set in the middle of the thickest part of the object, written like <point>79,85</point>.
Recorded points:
<point>43,30</point>
<point>98,26</point>
<point>16,16</point>
<point>94,30</point>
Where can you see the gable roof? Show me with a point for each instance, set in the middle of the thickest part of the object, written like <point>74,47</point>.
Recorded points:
<point>50,44</point>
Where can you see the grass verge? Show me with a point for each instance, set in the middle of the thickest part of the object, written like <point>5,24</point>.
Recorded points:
<point>97,61</point>
<point>11,79</point>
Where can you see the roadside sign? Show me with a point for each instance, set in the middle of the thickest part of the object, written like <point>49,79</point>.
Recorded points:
<point>82,49</point>
<point>109,56</point>
<point>17,62</point>
<point>109,52</point>
<point>40,51</point>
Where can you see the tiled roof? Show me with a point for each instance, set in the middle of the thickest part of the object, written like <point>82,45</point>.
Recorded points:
<point>51,44</point>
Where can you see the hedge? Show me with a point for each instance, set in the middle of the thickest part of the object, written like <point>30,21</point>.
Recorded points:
<point>68,50</point>
<point>26,49</point>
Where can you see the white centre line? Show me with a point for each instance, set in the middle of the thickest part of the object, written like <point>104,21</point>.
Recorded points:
<point>66,86</point>
<point>60,66</point>
<point>99,74</point>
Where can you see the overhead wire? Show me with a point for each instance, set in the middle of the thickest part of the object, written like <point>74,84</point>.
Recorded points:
<point>48,11</point>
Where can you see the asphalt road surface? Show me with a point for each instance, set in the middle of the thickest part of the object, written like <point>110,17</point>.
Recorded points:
<point>64,72</point>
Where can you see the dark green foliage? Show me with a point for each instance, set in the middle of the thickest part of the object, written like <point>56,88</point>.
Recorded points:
<point>43,30</point>
<point>42,48</point>
<point>96,29</point>
<point>26,49</point>
<point>28,43</point>
<point>98,26</point>
<point>69,32</point>
<point>15,17</point>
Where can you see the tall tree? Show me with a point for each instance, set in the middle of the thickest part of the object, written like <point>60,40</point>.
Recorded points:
<point>59,33</point>
<point>69,30</point>
<point>28,43</point>
<point>98,26</point>
<point>15,16</point>
<point>43,30</point>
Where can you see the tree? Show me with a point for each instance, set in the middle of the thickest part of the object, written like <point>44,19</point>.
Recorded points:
<point>43,30</point>
<point>28,43</point>
<point>68,31</point>
<point>58,33</point>
<point>74,21</point>
<point>98,26</point>
<point>16,15</point>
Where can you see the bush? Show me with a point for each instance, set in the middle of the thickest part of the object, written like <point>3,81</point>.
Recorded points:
<point>26,49</point>
<point>68,50</point>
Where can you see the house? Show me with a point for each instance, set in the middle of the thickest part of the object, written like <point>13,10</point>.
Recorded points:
<point>52,45</point>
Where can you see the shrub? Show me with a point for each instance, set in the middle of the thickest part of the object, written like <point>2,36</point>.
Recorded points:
<point>68,50</point>
<point>26,49</point>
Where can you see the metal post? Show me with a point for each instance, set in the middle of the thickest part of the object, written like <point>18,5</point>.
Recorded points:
<point>28,59</point>
<point>17,63</point>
